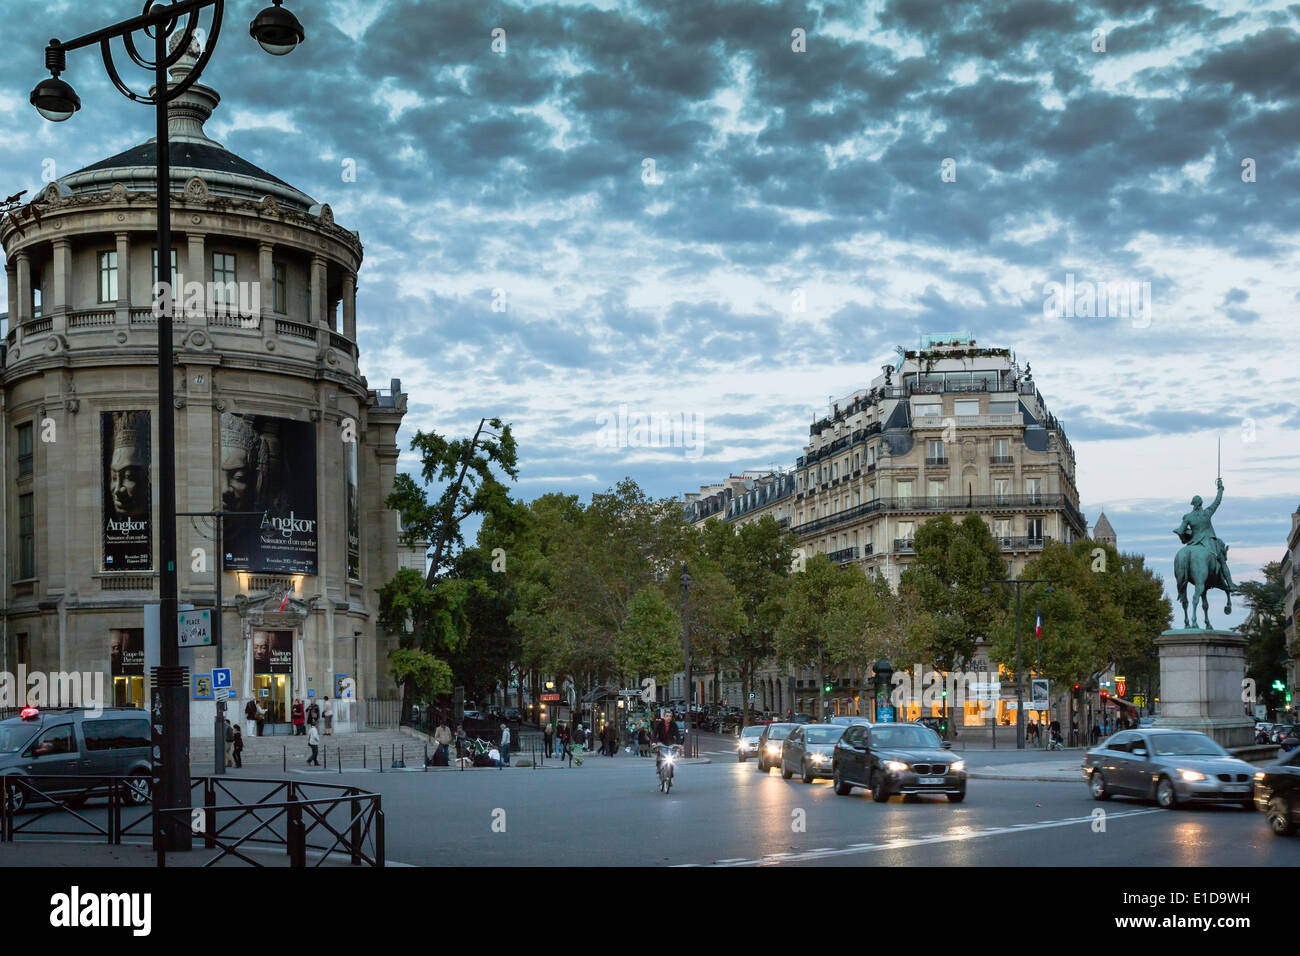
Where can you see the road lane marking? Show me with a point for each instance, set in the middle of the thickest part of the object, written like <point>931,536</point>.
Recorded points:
<point>901,843</point>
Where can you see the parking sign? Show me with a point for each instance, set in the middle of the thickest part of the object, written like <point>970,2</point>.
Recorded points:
<point>221,678</point>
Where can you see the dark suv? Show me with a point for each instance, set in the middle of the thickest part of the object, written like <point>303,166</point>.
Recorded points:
<point>896,758</point>
<point>65,745</point>
<point>1277,793</point>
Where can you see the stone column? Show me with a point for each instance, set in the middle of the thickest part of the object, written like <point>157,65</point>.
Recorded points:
<point>350,306</point>
<point>24,310</point>
<point>318,303</point>
<point>266,277</point>
<point>61,300</point>
<point>123,278</point>
<point>11,275</point>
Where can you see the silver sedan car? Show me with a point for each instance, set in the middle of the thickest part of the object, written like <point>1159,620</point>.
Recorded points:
<point>808,750</point>
<point>1169,766</point>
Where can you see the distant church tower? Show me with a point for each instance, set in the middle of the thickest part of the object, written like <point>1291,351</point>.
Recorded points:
<point>1102,531</point>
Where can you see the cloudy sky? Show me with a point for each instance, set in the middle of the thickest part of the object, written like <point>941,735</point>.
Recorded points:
<point>726,211</point>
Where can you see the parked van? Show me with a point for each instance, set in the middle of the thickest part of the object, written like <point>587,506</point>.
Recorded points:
<point>66,745</point>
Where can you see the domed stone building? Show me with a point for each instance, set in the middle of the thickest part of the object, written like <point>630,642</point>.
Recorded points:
<point>272,417</point>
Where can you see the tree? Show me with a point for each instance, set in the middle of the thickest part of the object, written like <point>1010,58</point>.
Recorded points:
<point>1265,632</point>
<point>953,564</point>
<point>815,600</point>
<point>755,558</point>
<point>716,616</point>
<point>466,468</point>
<point>649,642</point>
<point>418,672</point>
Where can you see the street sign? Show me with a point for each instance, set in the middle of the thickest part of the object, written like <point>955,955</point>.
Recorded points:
<point>221,678</point>
<point>551,698</point>
<point>221,693</point>
<point>1039,693</point>
<point>194,628</point>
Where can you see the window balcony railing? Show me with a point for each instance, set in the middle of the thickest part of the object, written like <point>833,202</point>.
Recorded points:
<point>952,503</point>
<point>843,555</point>
<point>935,461</point>
<point>1023,542</point>
<point>1001,460</point>
<point>903,545</point>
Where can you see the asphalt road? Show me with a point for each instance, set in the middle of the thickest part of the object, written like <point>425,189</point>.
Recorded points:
<point>610,813</point>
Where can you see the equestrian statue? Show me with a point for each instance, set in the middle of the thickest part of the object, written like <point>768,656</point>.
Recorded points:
<point>1202,561</point>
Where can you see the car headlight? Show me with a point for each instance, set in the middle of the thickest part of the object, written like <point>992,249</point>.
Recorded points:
<point>774,748</point>
<point>819,758</point>
<point>895,765</point>
<point>959,766</point>
<point>1261,775</point>
<point>1191,776</point>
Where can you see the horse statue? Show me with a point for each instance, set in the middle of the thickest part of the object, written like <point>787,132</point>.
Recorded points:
<point>1202,561</point>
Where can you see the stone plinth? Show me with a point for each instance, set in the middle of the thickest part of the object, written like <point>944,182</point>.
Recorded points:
<point>1201,674</point>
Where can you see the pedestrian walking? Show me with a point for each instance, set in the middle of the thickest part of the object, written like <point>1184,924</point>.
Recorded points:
<point>299,718</point>
<point>313,741</point>
<point>505,745</point>
<point>237,749</point>
<point>611,739</point>
<point>327,715</point>
<point>548,739</point>
<point>313,714</point>
<point>642,741</point>
<point>261,718</point>
<point>250,715</point>
<point>230,743</point>
<point>442,737</point>
<point>562,741</point>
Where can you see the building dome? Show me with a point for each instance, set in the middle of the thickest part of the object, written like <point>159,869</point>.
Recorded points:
<point>193,153</point>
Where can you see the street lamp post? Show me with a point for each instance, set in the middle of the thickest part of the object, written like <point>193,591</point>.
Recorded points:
<point>1020,687</point>
<point>686,637</point>
<point>219,750</point>
<point>278,32</point>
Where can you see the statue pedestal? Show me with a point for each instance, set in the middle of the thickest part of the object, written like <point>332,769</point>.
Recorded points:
<point>1201,674</point>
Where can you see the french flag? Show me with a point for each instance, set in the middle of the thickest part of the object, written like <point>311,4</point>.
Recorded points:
<point>284,600</point>
<point>1038,624</point>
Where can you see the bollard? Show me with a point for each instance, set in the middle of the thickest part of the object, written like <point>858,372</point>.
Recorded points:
<point>284,758</point>
<point>364,750</point>
<point>296,835</point>
<point>426,755</point>
<point>340,757</point>
<point>209,814</point>
<point>380,748</point>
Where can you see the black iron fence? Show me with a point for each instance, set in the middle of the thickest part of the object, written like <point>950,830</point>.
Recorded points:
<point>232,815</point>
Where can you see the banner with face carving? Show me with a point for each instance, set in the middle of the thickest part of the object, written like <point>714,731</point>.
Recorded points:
<point>268,466</point>
<point>128,494</point>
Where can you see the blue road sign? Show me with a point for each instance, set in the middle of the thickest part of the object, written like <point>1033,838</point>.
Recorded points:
<point>220,677</point>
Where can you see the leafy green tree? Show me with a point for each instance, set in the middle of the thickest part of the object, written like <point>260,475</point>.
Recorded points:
<point>954,562</point>
<point>649,642</point>
<point>821,596</point>
<point>755,558</point>
<point>420,673</point>
<point>1265,632</point>
<point>716,617</point>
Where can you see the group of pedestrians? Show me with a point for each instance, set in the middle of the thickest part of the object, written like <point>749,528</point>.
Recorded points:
<point>234,745</point>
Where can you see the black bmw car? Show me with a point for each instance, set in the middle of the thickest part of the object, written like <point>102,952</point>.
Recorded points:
<point>896,758</point>
<point>1277,793</point>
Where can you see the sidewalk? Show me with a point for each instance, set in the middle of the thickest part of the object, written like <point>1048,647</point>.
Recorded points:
<point>1065,769</point>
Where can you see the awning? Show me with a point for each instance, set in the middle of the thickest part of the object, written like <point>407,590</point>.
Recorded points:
<point>1120,702</point>
<point>602,692</point>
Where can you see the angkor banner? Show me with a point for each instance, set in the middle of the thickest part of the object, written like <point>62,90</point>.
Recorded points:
<point>268,465</point>
<point>127,491</point>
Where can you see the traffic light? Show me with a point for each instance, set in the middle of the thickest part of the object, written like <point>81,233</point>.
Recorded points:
<point>827,686</point>
<point>1076,688</point>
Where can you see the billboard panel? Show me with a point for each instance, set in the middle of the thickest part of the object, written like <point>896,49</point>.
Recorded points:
<point>127,491</point>
<point>268,466</point>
